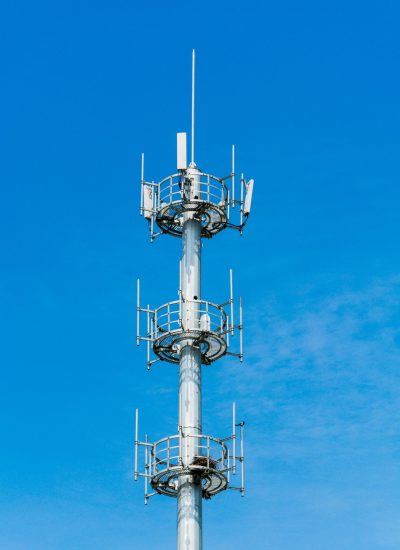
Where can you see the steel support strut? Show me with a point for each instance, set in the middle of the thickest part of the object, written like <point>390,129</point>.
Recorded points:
<point>189,521</point>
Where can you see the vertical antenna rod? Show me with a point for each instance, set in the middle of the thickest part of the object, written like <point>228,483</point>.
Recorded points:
<point>233,176</point>
<point>138,313</point>
<point>193,81</point>
<point>136,443</point>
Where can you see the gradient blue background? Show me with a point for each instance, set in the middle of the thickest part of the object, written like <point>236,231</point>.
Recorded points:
<point>309,93</point>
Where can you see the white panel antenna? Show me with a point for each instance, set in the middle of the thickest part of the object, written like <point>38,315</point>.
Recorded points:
<point>181,150</point>
<point>147,201</point>
<point>249,195</point>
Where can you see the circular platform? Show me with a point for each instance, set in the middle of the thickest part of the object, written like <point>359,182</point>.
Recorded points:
<point>206,199</point>
<point>208,469</point>
<point>168,346</point>
<point>207,330</point>
<point>212,481</point>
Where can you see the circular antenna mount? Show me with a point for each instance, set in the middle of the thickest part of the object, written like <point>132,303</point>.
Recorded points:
<point>204,196</point>
<point>208,466</point>
<point>192,322</point>
<point>168,346</point>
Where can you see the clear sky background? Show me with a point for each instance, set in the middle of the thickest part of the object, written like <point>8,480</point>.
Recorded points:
<point>309,93</point>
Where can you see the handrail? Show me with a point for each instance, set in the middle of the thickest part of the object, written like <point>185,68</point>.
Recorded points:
<point>166,455</point>
<point>167,317</point>
<point>210,188</point>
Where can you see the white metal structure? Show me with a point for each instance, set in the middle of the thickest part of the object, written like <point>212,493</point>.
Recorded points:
<point>190,331</point>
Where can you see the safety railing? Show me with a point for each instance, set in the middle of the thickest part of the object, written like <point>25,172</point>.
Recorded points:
<point>179,188</point>
<point>214,461</point>
<point>212,199</point>
<point>191,315</point>
<point>170,326</point>
<point>192,451</point>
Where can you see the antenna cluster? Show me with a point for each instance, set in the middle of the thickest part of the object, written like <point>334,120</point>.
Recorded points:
<point>191,332</point>
<point>208,325</point>
<point>208,197</point>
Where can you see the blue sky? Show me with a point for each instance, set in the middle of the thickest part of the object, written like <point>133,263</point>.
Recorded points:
<point>309,93</point>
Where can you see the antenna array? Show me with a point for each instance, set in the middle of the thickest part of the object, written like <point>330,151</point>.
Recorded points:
<point>191,332</point>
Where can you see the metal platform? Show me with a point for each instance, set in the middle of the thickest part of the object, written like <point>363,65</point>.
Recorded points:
<point>196,322</point>
<point>199,323</point>
<point>208,200</point>
<point>209,467</point>
<point>204,197</point>
<point>198,459</point>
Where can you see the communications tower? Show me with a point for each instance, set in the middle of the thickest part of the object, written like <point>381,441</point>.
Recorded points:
<point>190,332</point>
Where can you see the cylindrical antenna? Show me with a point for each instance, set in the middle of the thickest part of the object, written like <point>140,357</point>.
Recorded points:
<point>242,457</point>
<point>138,314</point>
<point>136,443</point>
<point>241,329</point>
<point>193,83</point>
<point>148,337</point>
<point>141,186</point>
<point>228,466</point>
<point>231,300</point>
<point>146,455</point>
<point>152,328</point>
<point>233,437</point>
<point>152,214</point>
<point>233,176</point>
<point>241,199</point>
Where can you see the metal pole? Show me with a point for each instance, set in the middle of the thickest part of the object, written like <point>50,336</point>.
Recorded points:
<point>138,313</point>
<point>193,83</point>
<point>189,522</point>
<point>136,443</point>
<point>233,176</point>
<point>234,438</point>
<point>231,300</point>
<point>146,481</point>
<point>242,457</point>
<point>241,329</point>
<point>141,186</point>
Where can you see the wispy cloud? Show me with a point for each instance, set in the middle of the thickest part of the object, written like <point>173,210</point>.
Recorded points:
<point>327,369</point>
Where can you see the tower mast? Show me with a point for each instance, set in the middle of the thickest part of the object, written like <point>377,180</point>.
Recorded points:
<point>191,332</point>
<point>189,521</point>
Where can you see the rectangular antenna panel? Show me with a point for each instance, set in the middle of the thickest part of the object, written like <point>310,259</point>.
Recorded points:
<point>249,195</point>
<point>147,201</point>
<point>181,151</point>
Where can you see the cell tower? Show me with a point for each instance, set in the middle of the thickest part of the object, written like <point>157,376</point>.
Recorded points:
<point>191,332</point>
